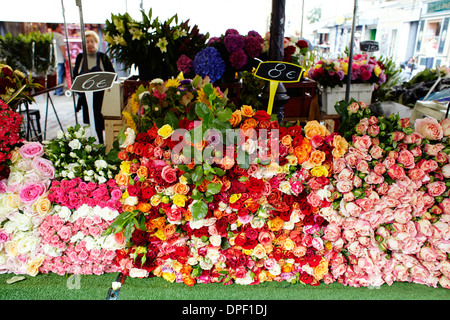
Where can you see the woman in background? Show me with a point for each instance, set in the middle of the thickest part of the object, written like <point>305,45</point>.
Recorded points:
<point>96,61</point>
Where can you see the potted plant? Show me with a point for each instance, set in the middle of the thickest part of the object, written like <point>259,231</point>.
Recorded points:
<point>332,74</point>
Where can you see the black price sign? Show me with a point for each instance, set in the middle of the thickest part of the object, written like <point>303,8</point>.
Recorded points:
<point>279,71</point>
<point>94,81</point>
<point>369,46</point>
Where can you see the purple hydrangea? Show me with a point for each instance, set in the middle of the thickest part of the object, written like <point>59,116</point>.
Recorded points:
<point>208,62</point>
<point>184,64</point>
<point>233,42</point>
<point>238,59</point>
<point>253,46</point>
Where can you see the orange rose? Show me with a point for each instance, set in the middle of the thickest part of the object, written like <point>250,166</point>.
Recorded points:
<point>275,224</point>
<point>299,251</point>
<point>144,206</point>
<point>247,111</point>
<point>227,163</point>
<point>130,148</point>
<point>286,140</point>
<point>252,122</point>
<point>236,118</point>
<point>218,214</point>
<point>316,157</point>
<point>313,128</point>
<point>159,223</point>
<point>122,179</point>
<point>187,215</point>
<point>128,208</point>
<point>181,188</point>
<point>301,154</point>
<point>186,269</point>
<point>189,281</point>
<point>169,229</point>
<point>287,268</point>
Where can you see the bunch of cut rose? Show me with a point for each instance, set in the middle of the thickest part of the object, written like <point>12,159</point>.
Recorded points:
<point>24,204</point>
<point>243,216</point>
<point>390,220</point>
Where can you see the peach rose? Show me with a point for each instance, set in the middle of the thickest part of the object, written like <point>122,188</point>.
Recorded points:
<point>340,146</point>
<point>445,124</point>
<point>313,128</point>
<point>122,179</point>
<point>321,269</point>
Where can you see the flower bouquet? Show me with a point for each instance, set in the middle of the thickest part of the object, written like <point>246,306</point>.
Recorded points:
<point>390,217</point>
<point>24,204</point>
<point>228,55</point>
<point>10,123</point>
<point>76,155</point>
<point>153,46</point>
<point>73,231</point>
<point>14,86</point>
<point>333,72</point>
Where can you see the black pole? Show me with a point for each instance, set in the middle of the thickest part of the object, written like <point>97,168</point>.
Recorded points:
<point>350,58</point>
<point>276,53</point>
<point>83,36</point>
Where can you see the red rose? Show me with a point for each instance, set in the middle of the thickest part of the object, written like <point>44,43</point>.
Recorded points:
<point>314,260</point>
<point>306,278</point>
<point>254,184</point>
<point>286,215</point>
<point>302,44</point>
<point>251,234</point>
<point>139,237</point>
<point>249,244</point>
<point>240,239</point>
<point>242,212</point>
<point>143,137</point>
<point>182,251</point>
<point>133,190</point>
<point>147,192</point>
<point>262,115</point>
<point>277,253</point>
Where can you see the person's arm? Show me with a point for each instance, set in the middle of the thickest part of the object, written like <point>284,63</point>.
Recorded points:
<point>77,65</point>
<point>107,64</point>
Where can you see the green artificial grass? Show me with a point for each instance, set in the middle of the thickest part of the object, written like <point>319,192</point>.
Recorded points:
<point>92,287</point>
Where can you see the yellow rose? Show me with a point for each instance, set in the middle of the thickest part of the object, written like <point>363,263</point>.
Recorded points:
<point>321,269</point>
<point>288,244</point>
<point>160,235</point>
<point>328,245</point>
<point>275,224</point>
<point>169,276</point>
<point>377,70</point>
<point>313,128</point>
<point>235,197</point>
<point>141,249</point>
<point>165,131</point>
<point>155,200</point>
<point>259,251</point>
<point>247,251</point>
<point>177,266</point>
<point>319,171</point>
<point>11,201</point>
<point>262,276</point>
<point>183,179</point>
<point>292,160</point>
<point>125,167</point>
<point>179,200</point>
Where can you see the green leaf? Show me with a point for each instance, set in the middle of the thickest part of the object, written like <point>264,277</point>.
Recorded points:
<point>198,174</point>
<point>199,210</point>
<point>201,110</point>
<point>214,188</point>
<point>224,114</point>
<point>171,119</point>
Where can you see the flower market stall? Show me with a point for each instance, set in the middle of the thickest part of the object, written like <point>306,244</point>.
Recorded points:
<point>198,189</point>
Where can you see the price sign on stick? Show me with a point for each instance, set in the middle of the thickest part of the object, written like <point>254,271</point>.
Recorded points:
<point>276,72</point>
<point>89,83</point>
<point>369,46</point>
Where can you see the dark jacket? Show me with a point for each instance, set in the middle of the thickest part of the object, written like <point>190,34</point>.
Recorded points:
<point>98,96</point>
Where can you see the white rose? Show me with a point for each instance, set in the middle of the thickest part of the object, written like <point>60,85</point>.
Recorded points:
<point>88,148</point>
<point>206,264</point>
<point>100,164</point>
<point>27,244</point>
<point>138,273</point>
<point>60,134</point>
<point>215,240</point>
<point>130,136</point>
<point>285,187</point>
<point>64,213</point>
<point>22,222</point>
<point>131,201</point>
<point>75,144</point>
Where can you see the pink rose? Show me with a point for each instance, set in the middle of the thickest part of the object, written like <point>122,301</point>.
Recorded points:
<point>353,107</point>
<point>413,138</point>
<point>436,188</point>
<point>44,166</point>
<point>445,124</point>
<point>416,174</point>
<point>169,174</point>
<point>174,215</point>
<point>379,169</point>
<point>401,273</point>
<point>433,149</point>
<point>373,130</point>
<point>362,166</point>
<point>65,233</point>
<point>314,200</point>
<point>445,205</point>
<point>362,142</point>
<point>32,192</point>
<point>344,186</point>
<point>396,172</point>
<point>365,203</point>
<point>428,165</point>
<point>429,128</point>
<point>398,135</point>
<point>402,215</point>
<point>373,178</point>
<point>345,174</point>
<point>331,232</point>
<point>338,165</point>
<point>31,149</point>
<point>376,152</point>
<point>265,238</point>
<point>428,254</point>
<point>406,158</point>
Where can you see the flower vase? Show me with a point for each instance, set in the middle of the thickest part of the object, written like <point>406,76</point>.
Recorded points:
<point>358,91</point>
